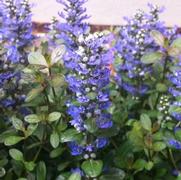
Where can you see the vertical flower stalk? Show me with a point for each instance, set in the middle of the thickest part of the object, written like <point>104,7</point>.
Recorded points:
<point>15,38</point>
<point>175,109</point>
<point>175,90</point>
<point>87,59</point>
<point>133,41</point>
<point>16,29</point>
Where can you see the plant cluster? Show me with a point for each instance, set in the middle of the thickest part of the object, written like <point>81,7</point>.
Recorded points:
<point>92,106</point>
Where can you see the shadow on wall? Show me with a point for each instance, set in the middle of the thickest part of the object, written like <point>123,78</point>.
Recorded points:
<point>43,27</point>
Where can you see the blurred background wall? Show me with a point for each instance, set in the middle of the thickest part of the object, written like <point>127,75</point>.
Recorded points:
<point>108,12</point>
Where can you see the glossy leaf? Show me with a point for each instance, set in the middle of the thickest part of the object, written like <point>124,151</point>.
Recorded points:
<point>113,173</point>
<point>16,154</point>
<point>75,176</point>
<point>159,146</point>
<point>57,54</point>
<point>54,139</point>
<point>54,116</point>
<point>92,168</point>
<point>11,140</point>
<point>36,58</point>
<point>146,122</point>
<point>41,171</point>
<point>69,135</point>
<point>151,58</point>
<point>17,123</point>
<point>33,94</point>
<point>158,38</point>
<point>32,118</point>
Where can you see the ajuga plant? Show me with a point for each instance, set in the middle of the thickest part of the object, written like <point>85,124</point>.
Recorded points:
<point>16,37</point>
<point>87,60</point>
<point>69,111</point>
<point>133,40</point>
<point>142,98</point>
<point>39,126</point>
<point>16,28</point>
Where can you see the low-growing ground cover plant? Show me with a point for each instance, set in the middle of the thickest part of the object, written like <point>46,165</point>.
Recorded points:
<point>81,105</point>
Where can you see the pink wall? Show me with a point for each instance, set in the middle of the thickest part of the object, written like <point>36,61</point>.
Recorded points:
<point>109,12</point>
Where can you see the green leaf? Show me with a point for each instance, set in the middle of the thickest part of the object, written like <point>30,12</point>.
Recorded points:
<point>2,172</point>
<point>176,43</point>
<point>175,109</point>
<point>11,140</point>
<point>60,177</point>
<point>63,165</point>
<point>17,123</point>
<point>90,125</point>
<point>61,126</point>
<point>41,171</point>
<point>178,134</point>
<point>56,152</point>
<point>57,54</point>
<point>161,87</point>
<point>173,51</point>
<point>175,48</point>
<point>113,173</point>
<point>31,128</point>
<point>158,37</point>
<point>92,168</point>
<point>3,162</point>
<point>136,136</point>
<point>36,58</point>
<point>32,118</point>
<point>159,146</point>
<point>16,154</point>
<point>33,94</point>
<point>75,176</point>
<point>58,81</point>
<point>151,58</point>
<point>110,132</point>
<point>149,165</point>
<point>139,164</point>
<point>30,165</point>
<point>54,139</point>
<point>70,135</point>
<point>54,116</point>
<point>6,134</point>
<point>146,122</point>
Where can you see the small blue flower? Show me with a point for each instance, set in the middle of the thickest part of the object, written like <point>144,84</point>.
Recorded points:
<point>133,42</point>
<point>104,121</point>
<point>8,102</point>
<point>15,37</point>
<point>175,90</point>
<point>75,148</point>
<point>77,170</point>
<point>176,144</point>
<point>101,142</point>
<point>16,28</point>
<point>87,60</point>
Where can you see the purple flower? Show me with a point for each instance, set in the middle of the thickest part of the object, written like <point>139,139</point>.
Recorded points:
<point>104,121</point>
<point>176,144</point>
<point>87,61</point>
<point>175,91</point>
<point>77,170</point>
<point>133,42</point>
<point>16,29</point>
<point>75,148</point>
<point>101,142</point>
<point>8,102</point>
<point>15,37</point>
